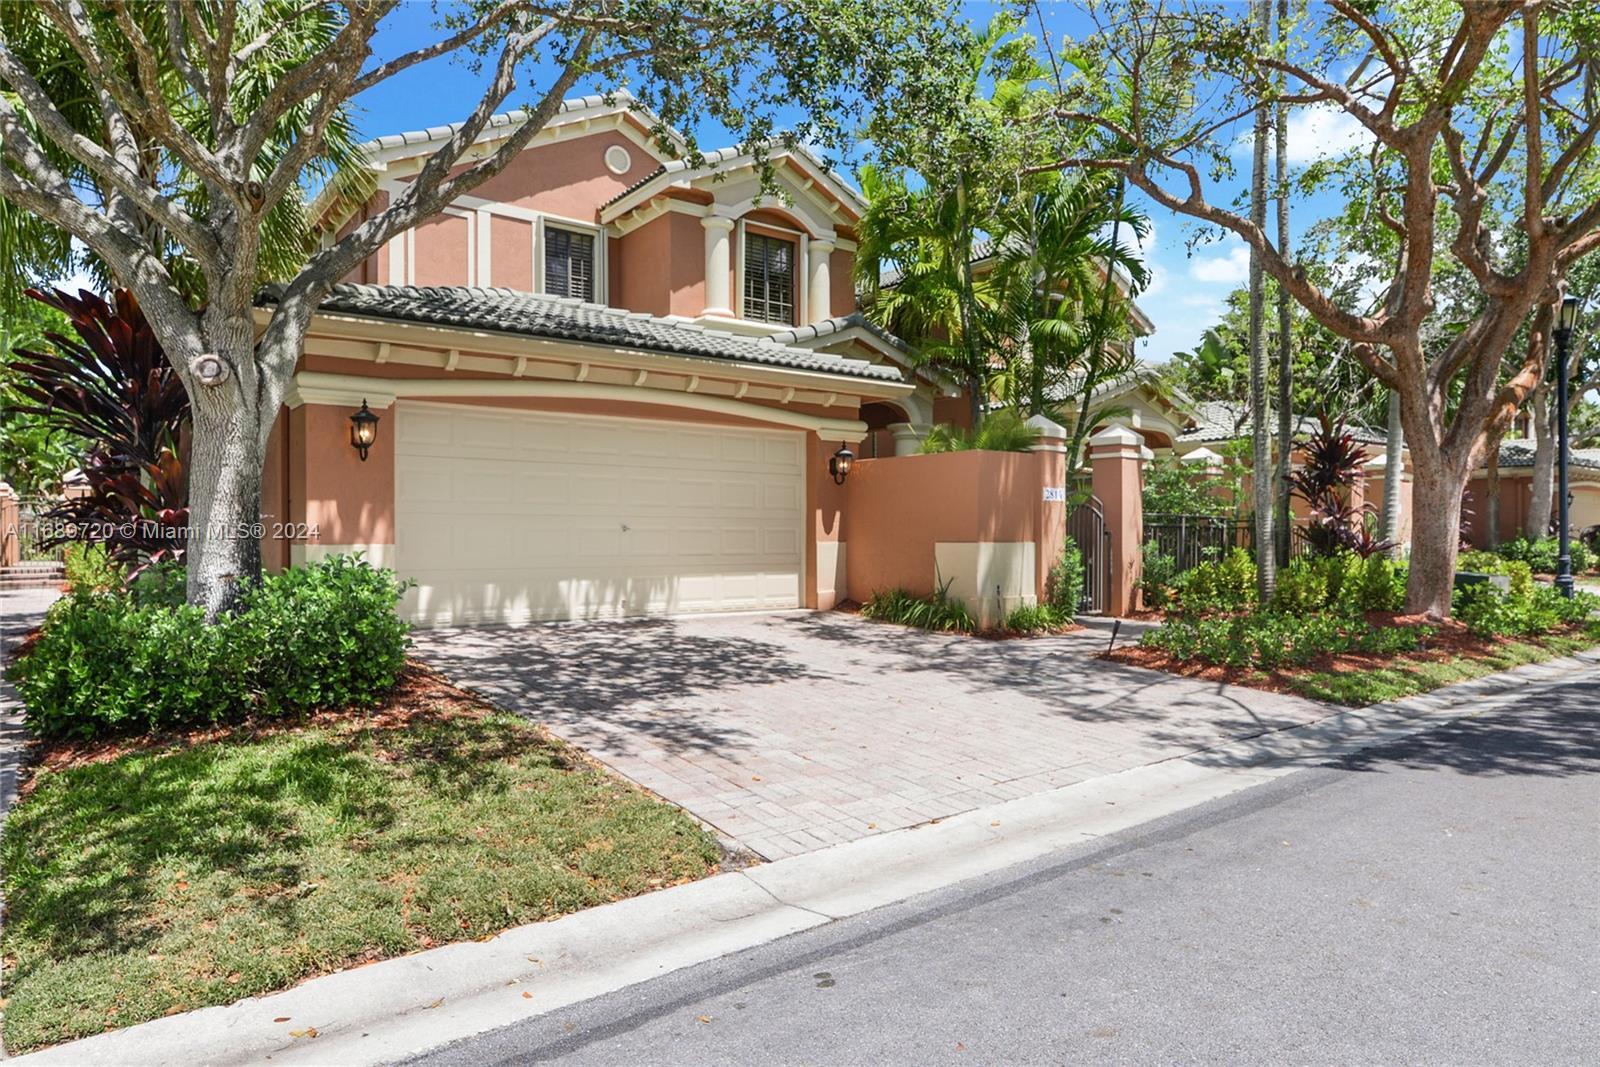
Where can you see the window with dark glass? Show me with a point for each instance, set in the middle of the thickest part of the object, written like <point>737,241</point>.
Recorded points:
<point>768,279</point>
<point>568,263</point>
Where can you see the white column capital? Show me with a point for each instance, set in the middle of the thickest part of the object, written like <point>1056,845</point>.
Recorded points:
<point>821,246</point>
<point>717,222</point>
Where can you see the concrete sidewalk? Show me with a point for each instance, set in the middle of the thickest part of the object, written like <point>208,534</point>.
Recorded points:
<point>392,1009</point>
<point>20,611</point>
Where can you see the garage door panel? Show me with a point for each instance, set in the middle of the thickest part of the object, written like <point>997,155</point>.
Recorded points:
<point>506,516</point>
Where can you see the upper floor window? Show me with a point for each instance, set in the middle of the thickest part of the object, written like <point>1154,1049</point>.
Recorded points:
<point>768,279</point>
<point>568,263</point>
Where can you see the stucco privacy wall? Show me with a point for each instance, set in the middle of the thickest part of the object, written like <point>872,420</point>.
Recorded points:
<point>977,520</point>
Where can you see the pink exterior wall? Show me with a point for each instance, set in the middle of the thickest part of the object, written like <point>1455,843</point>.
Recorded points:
<point>841,283</point>
<point>442,251</point>
<point>348,501</point>
<point>660,267</point>
<point>1516,497</point>
<point>896,510</point>
<point>275,493</point>
<point>569,178</point>
<point>510,253</point>
<point>825,509</point>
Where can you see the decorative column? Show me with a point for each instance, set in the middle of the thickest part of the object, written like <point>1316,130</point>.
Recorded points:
<point>818,282</point>
<point>1050,533</point>
<point>718,300</point>
<point>907,438</point>
<point>1116,458</point>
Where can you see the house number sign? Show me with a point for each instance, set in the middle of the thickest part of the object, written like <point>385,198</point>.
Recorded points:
<point>1055,494</point>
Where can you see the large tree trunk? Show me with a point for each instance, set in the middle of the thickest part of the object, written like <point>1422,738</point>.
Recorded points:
<point>224,556</point>
<point>226,455</point>
<point>1393,470</point>
<point>1261,458</point>
<point>1441,476</point>
<point>1544,463</point>
<point>1435,538</point>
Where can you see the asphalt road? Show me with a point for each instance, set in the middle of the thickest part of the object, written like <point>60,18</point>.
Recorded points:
<point>1435,901</point>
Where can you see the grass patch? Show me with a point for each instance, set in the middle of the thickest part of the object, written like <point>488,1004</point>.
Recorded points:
<point>1405,678</point>
<point>177,876</point>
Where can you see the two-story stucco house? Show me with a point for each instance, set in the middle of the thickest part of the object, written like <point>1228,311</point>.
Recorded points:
<point>607,383</point>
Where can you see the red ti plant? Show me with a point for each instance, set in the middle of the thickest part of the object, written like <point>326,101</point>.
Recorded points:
<point>113,388</point>
<point>1324,481</point>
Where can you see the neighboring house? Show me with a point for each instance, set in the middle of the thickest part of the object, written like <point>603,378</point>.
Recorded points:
<point>608,382</point>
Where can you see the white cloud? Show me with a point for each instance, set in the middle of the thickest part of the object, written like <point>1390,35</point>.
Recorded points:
<point>1315,133</point>
<point>1232,268</point>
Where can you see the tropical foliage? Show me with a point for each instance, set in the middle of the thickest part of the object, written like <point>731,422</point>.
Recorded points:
<point>1332,466</point>
<point>111,390</point>
<point>1015,283</point>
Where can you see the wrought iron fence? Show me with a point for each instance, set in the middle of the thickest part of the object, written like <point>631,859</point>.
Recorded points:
<point>1195,539</point>
<point>1087,526</point>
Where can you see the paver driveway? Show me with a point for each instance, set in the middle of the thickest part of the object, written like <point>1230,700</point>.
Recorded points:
<point>793,731</point>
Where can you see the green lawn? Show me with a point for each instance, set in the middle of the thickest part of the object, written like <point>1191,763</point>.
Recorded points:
<point>1406,678</point>
<point>176,878</point>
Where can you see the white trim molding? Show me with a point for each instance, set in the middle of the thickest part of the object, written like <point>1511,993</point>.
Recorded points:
<point>317,387</point>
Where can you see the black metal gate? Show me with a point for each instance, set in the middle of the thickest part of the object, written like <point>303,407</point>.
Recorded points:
<point>1087,526</point>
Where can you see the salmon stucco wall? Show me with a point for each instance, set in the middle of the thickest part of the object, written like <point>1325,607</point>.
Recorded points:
<point>899,510</point>
<point>336,500</point>
<point>827,552</point>
<point>660,267</point>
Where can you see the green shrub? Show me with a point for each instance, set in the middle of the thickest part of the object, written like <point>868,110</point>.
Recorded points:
<point>1036,618</point>
<point>1221,587</point>
<point>1156,577</point>
<point>1343,571</point>
<point>1542,554</point>
<point>1383,584</point>
<point>1064,589</point>
<point>1268,640</point>
<point>1000,431</point>
<point>1526,611</point>
<point>1481,561</point>
<point>320,636</point>
<point>1302,587</point>
<point>940,611</point>
<point>89,569</point>
<point>160,585</point>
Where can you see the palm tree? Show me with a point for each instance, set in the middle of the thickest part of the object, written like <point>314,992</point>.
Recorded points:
<point>1260,437</point>
<point>914,264</point>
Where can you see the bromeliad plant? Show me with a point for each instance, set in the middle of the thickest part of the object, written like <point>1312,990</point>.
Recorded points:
<point>113,389</point>
<point>1332,465</point>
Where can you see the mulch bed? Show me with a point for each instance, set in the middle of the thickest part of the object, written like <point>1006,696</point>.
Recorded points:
<point>1451,640</point>
<point>421,694</point>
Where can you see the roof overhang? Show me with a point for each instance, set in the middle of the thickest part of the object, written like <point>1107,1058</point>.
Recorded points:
<point>808,177</point>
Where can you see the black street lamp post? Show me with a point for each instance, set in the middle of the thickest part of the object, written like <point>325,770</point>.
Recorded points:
<point>1566,318</point>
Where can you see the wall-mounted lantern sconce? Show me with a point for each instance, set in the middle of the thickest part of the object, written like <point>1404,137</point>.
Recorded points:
<point>363,430</point>
<point>840,462</point>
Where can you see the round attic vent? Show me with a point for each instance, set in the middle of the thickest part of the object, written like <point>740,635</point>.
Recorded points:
<point>617,159</point>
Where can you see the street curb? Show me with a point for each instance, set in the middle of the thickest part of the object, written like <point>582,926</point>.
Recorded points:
<point>396,1008</point>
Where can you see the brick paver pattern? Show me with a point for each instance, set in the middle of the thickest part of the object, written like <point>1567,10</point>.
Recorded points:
<point>790,732</point>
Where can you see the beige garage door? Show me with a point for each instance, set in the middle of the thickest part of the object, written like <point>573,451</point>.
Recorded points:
<point>508,516</point>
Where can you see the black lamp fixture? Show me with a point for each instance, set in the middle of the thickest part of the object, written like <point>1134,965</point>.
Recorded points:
<point>363,430</point>
<point>840,462</point>
<point>1566,319</point>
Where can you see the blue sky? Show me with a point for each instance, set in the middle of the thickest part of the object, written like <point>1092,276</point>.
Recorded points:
<point>1188,290</point>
